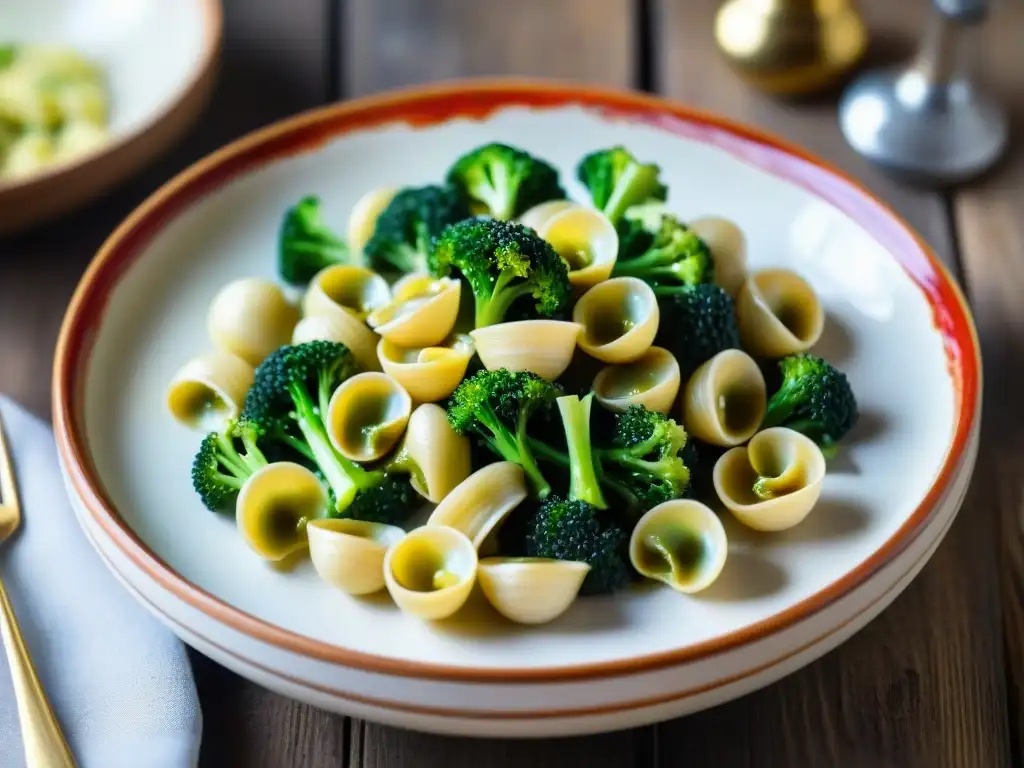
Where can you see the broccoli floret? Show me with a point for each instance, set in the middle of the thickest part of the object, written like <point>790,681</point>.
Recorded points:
<point>505,180</point>
<point>503,261</point>
<point>815,399</point>
<point>405,230</point>
<point>392,502</point>
<point>659,248</point>
<point>577,527</point>
<point>644,465</point>
<point>220,468</point>
<point>616,181</point>
<point>305,245</point>
<point>296,382</point>
<point>497,406</point>
<point>697,322</point>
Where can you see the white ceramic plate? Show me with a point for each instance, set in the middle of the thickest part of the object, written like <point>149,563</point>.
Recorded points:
<point>896,324</point>
<point>158,57</point>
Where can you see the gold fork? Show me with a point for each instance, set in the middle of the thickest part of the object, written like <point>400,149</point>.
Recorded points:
<point>45,746</point>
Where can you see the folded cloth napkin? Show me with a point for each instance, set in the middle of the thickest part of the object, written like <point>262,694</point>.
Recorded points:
<point>119,681</point>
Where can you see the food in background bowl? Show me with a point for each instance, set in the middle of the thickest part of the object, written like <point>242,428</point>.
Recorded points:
<point>53,108</point>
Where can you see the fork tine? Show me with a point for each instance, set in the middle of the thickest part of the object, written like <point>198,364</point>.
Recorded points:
<point>8,488</point>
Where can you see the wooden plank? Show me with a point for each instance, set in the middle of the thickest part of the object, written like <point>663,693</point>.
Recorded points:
<point>275,63</point>
<point>923,684</point>
<point>990,221</point>
<point>391,43</point>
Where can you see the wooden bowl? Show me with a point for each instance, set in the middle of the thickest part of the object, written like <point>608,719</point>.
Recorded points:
<point>159,59</point>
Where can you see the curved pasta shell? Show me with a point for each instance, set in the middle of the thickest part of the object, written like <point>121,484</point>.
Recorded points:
<point>439,458</point>
<point>349,554</point>
<point>250,318</point>
<point>728,248</point>
<point>778,314</point>
<point>274,505</point>
<point>586,240</point>
<point>480,502</point>
<point>431,373</point>
<point>772,483</point>
<point>339,325</point>
<point>421,313</point>
<point>209,390</point>
<point>535,217</point>
<point>725,399</point>
<point>531,590</point>
<point>680,542</point>
<point>431,571</point>
<point>357,290</point>
<point>363,218</point>
<point>367,416</point>
<point>544,347</point>
<point>652,381</point>
<point>619,318</point>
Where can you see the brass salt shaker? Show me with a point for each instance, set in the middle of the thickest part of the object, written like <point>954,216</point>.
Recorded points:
<point>791,47</point>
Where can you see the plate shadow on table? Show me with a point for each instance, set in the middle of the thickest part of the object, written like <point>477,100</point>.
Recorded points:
<point>836,342</point>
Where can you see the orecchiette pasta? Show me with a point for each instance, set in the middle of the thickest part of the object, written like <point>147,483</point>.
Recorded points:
<point>729,249</point>
<point>209,389</point>
<point>778,314</point>
<point>652,381</point>
<point>274,505</point>
<point>365,213</point>
<point>587,242</point>
<point>250,318</point>
<point>367,416</point>
<point>531,590</point>
<point>681,543</point>
<point>421,313</point>
<point>725,399</point>
<point>619,319</point>
<point>437,458</point>
<point>482,500</point>
<point>429,374</point>
<point>431,571</point>
<point>772,483</point>
<point>349,554</point>
<point>340,325</point>
<point>357,290</point>
<point>544,347</point>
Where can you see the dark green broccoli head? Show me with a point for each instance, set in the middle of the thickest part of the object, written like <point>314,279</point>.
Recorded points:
<point>404,234</point>
<point>305,244</point>
<point>815,399</point>
<point>616,181</point>
<point>497,407</point>
<point>645,465</point>
<point>317,367</point>
<point>393,502</point>
<point>570,529</point>
<point>657,247</point>
<point>223,463</point>
<point>504,180</point>
<point>503,262</point>
<point>697,322</point>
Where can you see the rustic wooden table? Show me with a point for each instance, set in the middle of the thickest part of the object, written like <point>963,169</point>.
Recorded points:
<point>935,680</point>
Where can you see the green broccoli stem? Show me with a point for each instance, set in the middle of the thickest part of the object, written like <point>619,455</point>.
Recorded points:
<point>648,262</point>
<point>491,310</point>
<point>780,408</point>
<point>546,453</point>
<point>230,458</point>
<point>254,458</point>
<point>405,258</point>
<point>345,477</point>
<point>637,184</point>
<point>512,447</point>
<point>583,481</point>
<point>402,463</point>
<point>498,195</point>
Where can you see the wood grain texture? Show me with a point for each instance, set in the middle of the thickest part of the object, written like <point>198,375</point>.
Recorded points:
<point>923,684</point>
<point>275,62</point>
<point>389,43</point>
<point>990,222</point>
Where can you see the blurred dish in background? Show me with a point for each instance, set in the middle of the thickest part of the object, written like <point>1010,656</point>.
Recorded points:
<point>91,91</point>
<point>53,108</point>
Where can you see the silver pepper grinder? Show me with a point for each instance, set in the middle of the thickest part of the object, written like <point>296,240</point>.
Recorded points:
<point>930,121</point>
